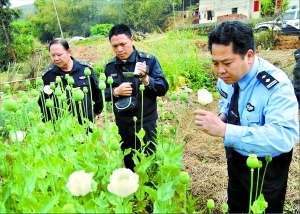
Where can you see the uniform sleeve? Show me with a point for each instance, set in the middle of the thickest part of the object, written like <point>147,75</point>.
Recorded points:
<point>158,84</point>
<point>279,132</point>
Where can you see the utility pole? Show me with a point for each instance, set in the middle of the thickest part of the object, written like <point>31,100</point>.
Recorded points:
<point>61,33</point>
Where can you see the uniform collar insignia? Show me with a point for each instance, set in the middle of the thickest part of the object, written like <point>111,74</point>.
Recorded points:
<point>223,94</point>
<point>82,77</point>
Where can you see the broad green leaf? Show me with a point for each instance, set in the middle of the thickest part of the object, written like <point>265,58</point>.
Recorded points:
<point>49,204</point>
<point>165,191</point>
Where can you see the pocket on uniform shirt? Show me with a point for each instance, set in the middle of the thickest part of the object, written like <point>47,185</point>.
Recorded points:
<point>83,83</point>
<point>250,118</point>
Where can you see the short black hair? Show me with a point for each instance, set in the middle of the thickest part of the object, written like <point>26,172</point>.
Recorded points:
<point>235,32</point>
<point>119,29</point>
<point>61,41</point>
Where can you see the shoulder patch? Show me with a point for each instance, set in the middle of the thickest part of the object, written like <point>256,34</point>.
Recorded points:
<point>111,61</point>
<point>50,68</point>
<point>144,55</point>
<point>267,80</point>
<point>85,63</point>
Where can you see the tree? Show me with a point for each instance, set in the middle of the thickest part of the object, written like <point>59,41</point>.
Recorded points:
<point>7,16</point>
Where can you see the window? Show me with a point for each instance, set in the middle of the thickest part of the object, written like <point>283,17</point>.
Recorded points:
<point>256,6</point>
<point>289,15</point>
<point>234,10</point>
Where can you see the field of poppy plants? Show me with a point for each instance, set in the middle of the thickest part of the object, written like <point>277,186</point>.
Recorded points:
<point>62,166</point>
<point>58,166</point>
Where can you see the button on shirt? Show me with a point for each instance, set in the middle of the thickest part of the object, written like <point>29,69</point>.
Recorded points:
<point>268,117</point>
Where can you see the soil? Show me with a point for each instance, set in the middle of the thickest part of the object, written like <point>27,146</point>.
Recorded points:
<point>204,156</point>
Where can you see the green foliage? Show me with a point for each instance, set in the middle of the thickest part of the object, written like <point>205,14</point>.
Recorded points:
<point>101,29</point>
<point>267,8</point>
<point>23,34</point>
<point>265,39</point>
<point>179,57</point>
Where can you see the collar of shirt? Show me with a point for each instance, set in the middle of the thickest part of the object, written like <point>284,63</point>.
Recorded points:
<point>130,59</point>
<point>245,81</point>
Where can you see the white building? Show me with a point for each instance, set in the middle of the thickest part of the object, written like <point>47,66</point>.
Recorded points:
<point>221,10</point>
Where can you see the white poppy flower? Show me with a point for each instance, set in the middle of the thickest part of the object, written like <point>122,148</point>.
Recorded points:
<point>204,97</point>
<point>80,183</point>
<point>48,90</point>
<point>123,182</point>
<point>17,136</point>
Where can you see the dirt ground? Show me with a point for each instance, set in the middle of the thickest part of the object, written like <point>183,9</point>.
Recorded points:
<point>204,156</point>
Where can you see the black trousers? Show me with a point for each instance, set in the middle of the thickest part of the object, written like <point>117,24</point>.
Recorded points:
<point>274,186</point>
<point>128,136</point>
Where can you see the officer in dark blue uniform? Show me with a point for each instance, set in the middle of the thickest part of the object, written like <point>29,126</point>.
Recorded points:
<point>127,61</point>
<point>64,67</point>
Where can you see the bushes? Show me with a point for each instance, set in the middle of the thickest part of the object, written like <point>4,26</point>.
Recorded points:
<point>101,29</point>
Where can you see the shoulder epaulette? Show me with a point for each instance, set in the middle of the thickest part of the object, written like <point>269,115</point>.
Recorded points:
<point>111,61</point>
<point>50,68</point>
<point>267,79</point>
<point>144,55</point>
<point>85,63</point>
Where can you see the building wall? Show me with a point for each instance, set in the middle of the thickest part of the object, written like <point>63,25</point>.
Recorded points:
<point>223,10</point>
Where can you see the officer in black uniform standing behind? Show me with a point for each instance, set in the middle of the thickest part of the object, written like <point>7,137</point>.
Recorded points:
<point>65,66</point>
<point>127,61</point>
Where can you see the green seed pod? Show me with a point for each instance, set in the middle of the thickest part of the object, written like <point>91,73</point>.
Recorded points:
<point>8,127</point>
<point>41,127</point>
<point>58,91</point>
<point>174,96</point>
<point>184,96</point>
<point>134,118</point>
<point>58,79</point>
<point>78,94</point>
<point>67,76</point>
<point>52,85</point>
<point>39,82</point>
<point>70,81</point>
<point>224,208</point>
<point>27,84</point>
<point>171,129</point>
<point>110,80</point>
<point>210,204</point>
<point>6,87</point>
<point>102,77</point>
<point>102,85</point>
<point>31,116</point>
<point>63,97</point>
<point>34,93</point>
<point>142,87</point>
<point>9,104</point>
<point>24,99</point>
<point>87,71</point>
<point>268,158</point>
<point>160,103</point>
<point>259,164</point>
<point>68,88</point>
<point>49,103</point>
<point>252,161</point>
<point>85,90</point>
<point>18,112</point>
<point>114,145</point>
<point>184,177</point>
